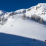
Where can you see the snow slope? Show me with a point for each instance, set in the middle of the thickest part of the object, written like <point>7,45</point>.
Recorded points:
<point>40,11</point>
<point>25,27</point>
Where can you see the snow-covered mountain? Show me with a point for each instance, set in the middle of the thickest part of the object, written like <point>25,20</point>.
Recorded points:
<point>39,10</point>
<point>24,23</point>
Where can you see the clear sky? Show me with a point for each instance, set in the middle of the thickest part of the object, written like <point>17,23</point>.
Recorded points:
<point>12,5</point>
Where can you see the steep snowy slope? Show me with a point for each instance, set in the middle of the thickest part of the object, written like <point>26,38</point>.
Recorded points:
<point>13,23</point>
<point>39,10</point>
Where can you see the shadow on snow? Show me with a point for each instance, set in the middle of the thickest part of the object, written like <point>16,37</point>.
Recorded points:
<point>14,40</point>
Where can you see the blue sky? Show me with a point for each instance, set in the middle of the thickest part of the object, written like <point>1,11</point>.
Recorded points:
<point>12,5</point>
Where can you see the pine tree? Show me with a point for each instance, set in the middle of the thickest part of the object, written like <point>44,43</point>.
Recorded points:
<point>3,20</point>
<point>24,16</point>
<point>0,18</point>
<point>41,20</point>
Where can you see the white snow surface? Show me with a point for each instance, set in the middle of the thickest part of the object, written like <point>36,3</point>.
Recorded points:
<point>27,28</point>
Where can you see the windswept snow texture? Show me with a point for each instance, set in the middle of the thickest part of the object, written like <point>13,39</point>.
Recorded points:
<point>14,24</point>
